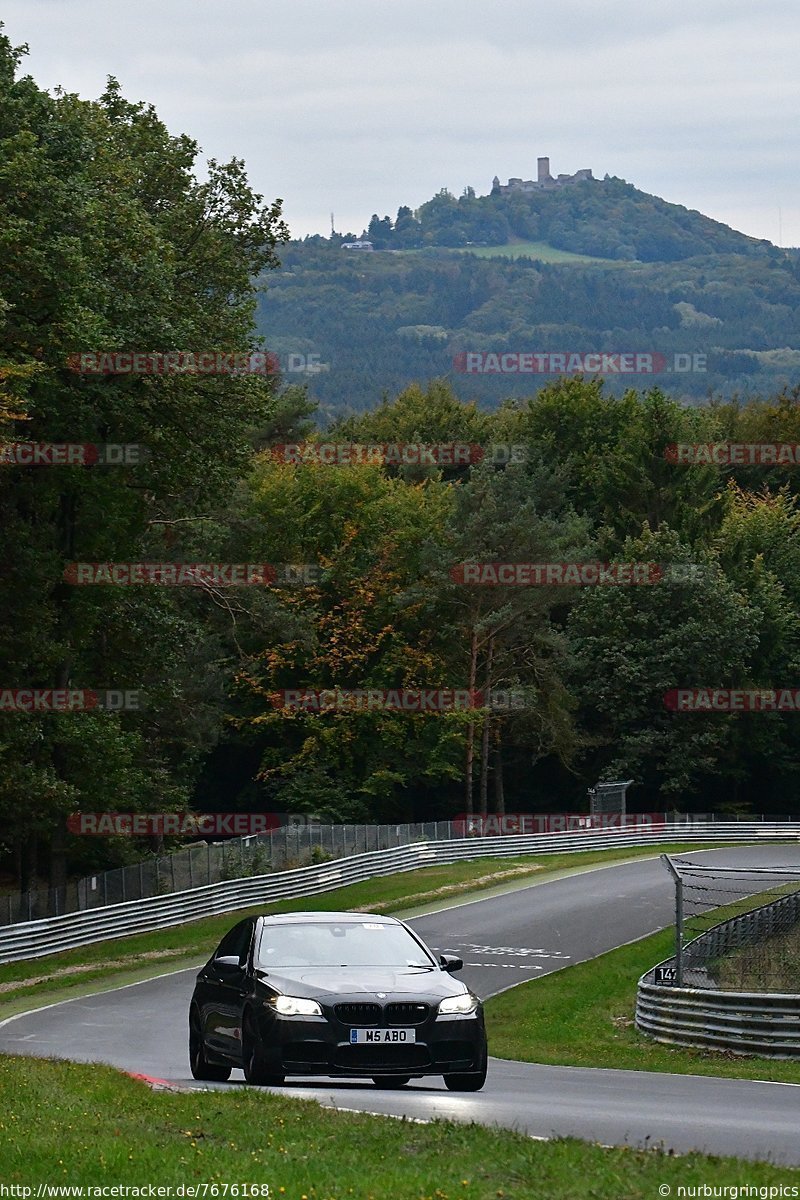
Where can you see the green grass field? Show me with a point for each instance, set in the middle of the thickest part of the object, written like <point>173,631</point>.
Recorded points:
<point>517,248</point>
<point>77,1125</point>
<point>542,252</point>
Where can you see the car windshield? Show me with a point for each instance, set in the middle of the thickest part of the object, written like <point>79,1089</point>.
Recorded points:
<point>351,944</point>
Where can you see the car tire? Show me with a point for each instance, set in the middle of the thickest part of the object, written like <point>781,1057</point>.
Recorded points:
<point>256,1071</point>
<point>199,1065</point>
<point>391,1081</point>
<point>467,1081</point>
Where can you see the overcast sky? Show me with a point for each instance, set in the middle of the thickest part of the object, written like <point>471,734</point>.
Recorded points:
<point>359,106</point>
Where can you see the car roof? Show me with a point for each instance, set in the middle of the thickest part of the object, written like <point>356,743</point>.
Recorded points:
<point>328,918</point>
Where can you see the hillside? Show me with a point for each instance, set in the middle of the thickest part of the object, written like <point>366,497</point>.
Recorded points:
<point>356,325</point>
<point>603,218</point>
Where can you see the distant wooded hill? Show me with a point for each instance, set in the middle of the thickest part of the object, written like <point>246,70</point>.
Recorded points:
<point>604,218</point>
<point>598,266</point>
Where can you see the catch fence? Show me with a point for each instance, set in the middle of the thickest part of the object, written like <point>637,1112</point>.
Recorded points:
<point>737,928</point>
<point>205,863</point>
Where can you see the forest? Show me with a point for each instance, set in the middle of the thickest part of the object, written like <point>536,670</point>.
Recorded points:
<point>354,326</point>
<point>305,576</point>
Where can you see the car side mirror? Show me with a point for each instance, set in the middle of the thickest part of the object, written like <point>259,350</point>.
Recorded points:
<point>229,964</point>
<point>451,962</point>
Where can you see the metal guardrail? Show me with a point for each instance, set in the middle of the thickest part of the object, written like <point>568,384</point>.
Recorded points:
<point>280,849</point>
<point>765,1023</point>
<point>747,1022</point>
<point>33,939</point>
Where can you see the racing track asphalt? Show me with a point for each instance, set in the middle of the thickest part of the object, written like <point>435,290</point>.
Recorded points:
<point>503,940</point>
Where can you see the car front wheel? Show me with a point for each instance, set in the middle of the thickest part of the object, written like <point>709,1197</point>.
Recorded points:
<point>200,1067</point>
<point>256,1071</point>
<point>468,1081</point>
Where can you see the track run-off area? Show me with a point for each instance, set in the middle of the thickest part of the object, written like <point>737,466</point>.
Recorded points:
<point>504,940</point>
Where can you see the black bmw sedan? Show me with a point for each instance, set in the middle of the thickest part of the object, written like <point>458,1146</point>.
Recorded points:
<point>339,994</point>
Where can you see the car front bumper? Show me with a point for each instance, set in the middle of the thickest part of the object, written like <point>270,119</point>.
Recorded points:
<point>322,1046</point>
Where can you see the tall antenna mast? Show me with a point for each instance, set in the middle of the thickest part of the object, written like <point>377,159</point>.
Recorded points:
<point>333,231</point>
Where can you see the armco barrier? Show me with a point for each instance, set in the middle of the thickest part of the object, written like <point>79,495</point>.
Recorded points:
<point>32,939</point>
<point>765,1023</point>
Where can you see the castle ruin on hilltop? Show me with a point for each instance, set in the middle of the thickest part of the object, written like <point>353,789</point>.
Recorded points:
<point>543,181</point>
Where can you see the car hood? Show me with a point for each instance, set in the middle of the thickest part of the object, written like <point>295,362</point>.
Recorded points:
<point>362,983</point>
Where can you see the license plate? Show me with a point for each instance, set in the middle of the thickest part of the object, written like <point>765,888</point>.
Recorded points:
<point>371,1037</point>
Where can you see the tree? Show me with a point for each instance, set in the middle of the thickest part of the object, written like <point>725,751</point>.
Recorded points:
<point>419,415</point>
<point>108,242</point>
<point>380,232</point>
<point>617,459</point>
<point>358,627</point>
<point>758,549</point>
<point>407,230</point>
<point>503,638</point>
<point>633,645</point>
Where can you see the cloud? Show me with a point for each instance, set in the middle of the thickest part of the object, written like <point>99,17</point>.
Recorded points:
<point>361,106</point>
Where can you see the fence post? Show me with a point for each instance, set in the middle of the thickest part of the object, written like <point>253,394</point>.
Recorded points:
<point>679,930</point>
<point>667,861</point>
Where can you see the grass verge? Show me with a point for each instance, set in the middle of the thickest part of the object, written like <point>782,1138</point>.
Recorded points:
<point>582,1016</point>
<point>74,1125</point>
<point>105,965</point>
<point>542,252</point>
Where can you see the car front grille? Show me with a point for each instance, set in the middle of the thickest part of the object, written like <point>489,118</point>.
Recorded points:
<point>358,1014</point>
<point>401,1013</point>
<point>406,1013</point>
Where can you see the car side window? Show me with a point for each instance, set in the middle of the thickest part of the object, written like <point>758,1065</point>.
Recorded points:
<point>237,942</point>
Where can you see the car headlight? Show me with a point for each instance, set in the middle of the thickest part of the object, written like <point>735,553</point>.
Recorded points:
<point>458,1005</point>
<point>295,1006</point>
